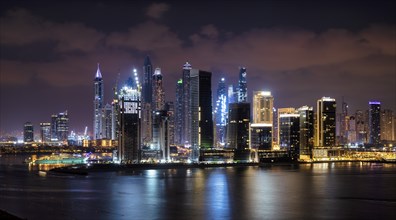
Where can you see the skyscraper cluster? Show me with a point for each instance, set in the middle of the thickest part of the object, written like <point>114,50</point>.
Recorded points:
<point>147,127</point>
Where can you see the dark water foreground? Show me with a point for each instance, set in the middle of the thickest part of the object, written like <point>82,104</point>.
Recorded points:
<point>305,191</point>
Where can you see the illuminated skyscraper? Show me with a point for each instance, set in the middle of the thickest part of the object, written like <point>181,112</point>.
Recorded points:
<point>45,132</point>
<point>107,125</point>
<point>186,111</point>
<point>289,133</point>
<point>129,119</point>
<point>147,99</point>
<point>179,113</point>
<point>263,104</point>
<point>170,108</point>
<point>306,130</point>
<point>221,113</point>
<point>361,127</point>
<point>242,85</point>
<point>278,122</point>
<point>375,122</point>
<point>342,124</point>
<point>238,126</point>
<point>326,122</point>
<point>28,134</point>
<point>201,111</point>
<point>158,99</point>
<point>387,125</point>
<point>98,105</point>
<point>62,126</point>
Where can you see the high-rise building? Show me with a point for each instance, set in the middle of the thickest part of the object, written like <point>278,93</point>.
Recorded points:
<point>186,111</point>
<point>179,113</point>
<point>281,111</point>
<point>242,85</point>
<point>98,105</point>
<point>45,132</point>
<point>161,133</point>
<point>289,133</point>
<point>170,109</point>
<point>62,126</point>
<point>263,104</point>
<point>107,125</point>
<point>54,134</point>
<point>201,111</point>
<point>351,132</point>
<point>221,113</point>
<point>147,99</point>
<point>342,124</point>
<point>306,130</point>
<point>238,126</point>
<point>129,121</point>
<point>326,122</point>
<point>28,135</point>
<point>232,94</point>
<point>158,91</point>
<point>375,122</point>
<point>387,125</point>
<point>147,88</point>
<point>361,127</point>
<point>260,136</point>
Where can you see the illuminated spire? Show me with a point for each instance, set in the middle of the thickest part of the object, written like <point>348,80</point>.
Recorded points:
<point>98,73</point>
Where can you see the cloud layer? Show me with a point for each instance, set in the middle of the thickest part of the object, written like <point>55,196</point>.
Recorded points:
<point>296,64</point>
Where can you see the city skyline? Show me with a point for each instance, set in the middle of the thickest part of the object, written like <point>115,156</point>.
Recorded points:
<point>47,60</point>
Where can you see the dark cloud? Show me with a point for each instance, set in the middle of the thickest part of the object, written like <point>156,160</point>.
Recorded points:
<point>298,65</point>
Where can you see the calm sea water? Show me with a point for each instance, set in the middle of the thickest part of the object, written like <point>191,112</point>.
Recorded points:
<point>309,191</point>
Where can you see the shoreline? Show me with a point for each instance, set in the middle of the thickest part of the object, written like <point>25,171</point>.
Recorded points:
<point>84,169</point>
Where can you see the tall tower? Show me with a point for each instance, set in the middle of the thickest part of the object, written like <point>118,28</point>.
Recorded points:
<point>98,105</point>
<point>201,111</point>
<point>387,125</point>
<point>179,113</point>
<point>221,112</point>
<point>129,119</point>
<point>45,132</point>
<point>375,122</point>
<point>242,86</point>
<point>158,100</point>
<point>306,129</point>
<point>289,133</point>
<point>238,126</point>
<point>28,132</point>
<point>361,127</point>
<point>186,112</point>
<point>62,126</point>
<point>326,122</point>
<point>147,99</point>
<point>263,104</point>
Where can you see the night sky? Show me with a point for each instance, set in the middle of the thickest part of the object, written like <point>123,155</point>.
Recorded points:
<point>299,50</point>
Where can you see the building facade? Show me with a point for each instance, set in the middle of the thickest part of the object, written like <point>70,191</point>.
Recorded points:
<point>326,122</point>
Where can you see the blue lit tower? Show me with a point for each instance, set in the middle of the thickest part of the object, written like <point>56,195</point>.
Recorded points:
<point>242,86</point>
<point>179,113</point>
<point>375,122</point>
<point>221,112</point>
<point>129,119</point>
<point>98,105</point>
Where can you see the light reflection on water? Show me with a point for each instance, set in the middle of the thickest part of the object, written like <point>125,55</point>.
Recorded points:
<point>305,191</point>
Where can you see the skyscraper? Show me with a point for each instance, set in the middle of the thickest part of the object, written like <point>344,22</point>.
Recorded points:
<point>361,127</point>
<point>375,122</point>
<point>107,116</point>
<point>186,111</point>
<point>158,100</point>
<point>201,111</point>
<point>147,99</point>
<point>263,104</point>
<point>62,126</point>
<point>28,134</point>
<point>98,105</point>
<point>387,125</point>
<point>238,126</point>
<point>170,109</point>
<point>45,132</point>
<point>306,130</point>
<point>342,124</point>
<point>129,119</point>
<point>221,113</point>
<point>326,122</point>
<point>281,111</point>
<point>179,113</point>
<point>242,85</point>
<point>289,133</point>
